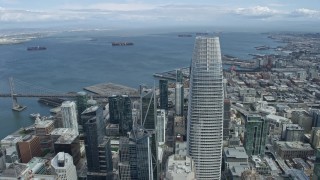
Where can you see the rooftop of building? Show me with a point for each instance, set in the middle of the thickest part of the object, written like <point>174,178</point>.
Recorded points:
<point>258,162</point>
<point>271,164</point>
<point>35,160</point>
<point>294,127</point>
<point>28,138</point>
<point>277,118</point>
<point>180,166</point>
<point>44,123</point>
<point>112,125</point>
<point>68,103</point>
<point>235,152</point>
<point>294,145</point>
<point>90,109</point>
<point>61,157</point>
<point>301,162</point>
<point>181,148</point>
<point>14,170</point>
<point>11,139</point>
<point>112,89</point>
<point>67,138</point>
<point>60,131</point>
<point>237,170</point>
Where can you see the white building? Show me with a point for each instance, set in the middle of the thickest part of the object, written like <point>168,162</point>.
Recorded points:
<point>205,108</point>
<point>63,166</point>
<point>161,126</point>
<point>69,115</point>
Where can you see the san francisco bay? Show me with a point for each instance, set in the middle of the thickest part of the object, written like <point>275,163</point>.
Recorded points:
<point>74,60</point>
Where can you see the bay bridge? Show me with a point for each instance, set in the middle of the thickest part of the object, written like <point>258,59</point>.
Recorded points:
<point>19,88</point>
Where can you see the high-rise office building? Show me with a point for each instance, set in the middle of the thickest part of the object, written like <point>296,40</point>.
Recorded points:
<point>255,135</point>
<point>179,76</point>
<point>163,87</point>
<point>98,149</point>
<point>148,109</point>
<point>135,155</point>
<point>82,103</point>
<point>205,108</point>
<point>69,143</point>
<point>161,126</point>
<point>148,121</point>
<point>62,165</point>
<point>69,115</point>
<point>121,113</point>
<point>179,99</point>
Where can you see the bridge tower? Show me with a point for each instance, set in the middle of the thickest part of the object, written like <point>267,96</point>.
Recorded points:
<point>15,105</point>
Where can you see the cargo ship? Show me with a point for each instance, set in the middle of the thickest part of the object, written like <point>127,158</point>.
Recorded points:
<point>36,48</point>
<point>122,44</point>
<point>185,35</point>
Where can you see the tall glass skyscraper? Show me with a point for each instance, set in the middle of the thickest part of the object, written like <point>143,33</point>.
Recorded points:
<point>97,145</point>
<point>121,113</point>
<point>205,108</point>
<point>135,156</point>
<point>163,87</point>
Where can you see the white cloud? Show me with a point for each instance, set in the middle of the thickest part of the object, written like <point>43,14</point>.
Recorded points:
<point>257,12</point>
<point>8,15</point>
<point>303,12</point>
<point>132,12</point>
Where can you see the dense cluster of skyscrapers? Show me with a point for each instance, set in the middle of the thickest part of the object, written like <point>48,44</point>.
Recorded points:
<point>85,128</point>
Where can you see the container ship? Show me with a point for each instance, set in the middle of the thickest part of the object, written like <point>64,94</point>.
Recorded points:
<point>184,35</point>
<point>122,44</point>
<point>36,48</point>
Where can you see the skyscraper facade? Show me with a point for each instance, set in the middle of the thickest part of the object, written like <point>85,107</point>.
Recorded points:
<point>98,149</point>
<point>179,99</point>
<point>62,165</point>
<point>148,109</point>
<point>161,126</point>
<point>69,115</point>
<point>179,76</point>
<point>135,156</point>
<point>205,108</point>
<point>82,102</point>
<point>148,121</point>
<point>163,87</point>
<point>121,113</point>
<point>226,119</point>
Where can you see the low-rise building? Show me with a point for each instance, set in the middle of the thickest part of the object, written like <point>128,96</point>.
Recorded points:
<point>295,149</point>
<point>276,123</point>
<point>180,168</point>
<point>260,166</point>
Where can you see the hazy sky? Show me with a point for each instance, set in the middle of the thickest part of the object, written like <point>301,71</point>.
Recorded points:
<point>142,13</point>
